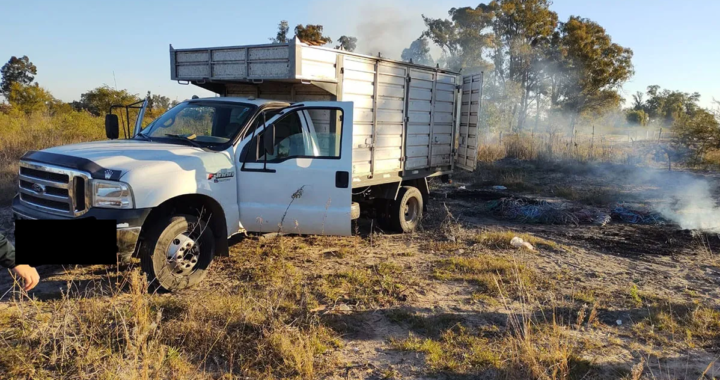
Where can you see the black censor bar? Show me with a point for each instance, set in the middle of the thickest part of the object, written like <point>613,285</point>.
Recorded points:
<point>84,241</point>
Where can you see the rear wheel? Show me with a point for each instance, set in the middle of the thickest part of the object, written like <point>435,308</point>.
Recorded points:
<point>178,252</point>
<point>406,210</point>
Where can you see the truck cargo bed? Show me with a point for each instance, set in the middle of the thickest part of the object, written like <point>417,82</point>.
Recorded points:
<point>407,117</point>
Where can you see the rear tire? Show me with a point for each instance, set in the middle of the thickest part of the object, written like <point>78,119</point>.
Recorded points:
<point>406,210</point>
<point>178,252</point>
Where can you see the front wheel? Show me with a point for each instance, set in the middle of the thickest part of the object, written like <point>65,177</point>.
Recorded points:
<point>178,252</point>
<point>406,210</point>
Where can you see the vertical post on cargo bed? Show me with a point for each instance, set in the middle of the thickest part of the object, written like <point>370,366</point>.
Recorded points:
<point>373,135</point>
<point>456,120</point>
<point>432,119</point>
<point>340,76</point>
<point>406,119</point>
<point>173,66</point>
<point>295,57</point>
<point>210,65</point>
<point>247,63</point>
<point>480,108</point>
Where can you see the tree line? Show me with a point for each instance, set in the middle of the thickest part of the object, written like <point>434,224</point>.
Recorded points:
<point>543,73</point>
<point>19,88</point>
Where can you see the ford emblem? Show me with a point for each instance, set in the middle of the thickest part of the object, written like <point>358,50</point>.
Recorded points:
<point>38,188</point>
<point>108,174</point>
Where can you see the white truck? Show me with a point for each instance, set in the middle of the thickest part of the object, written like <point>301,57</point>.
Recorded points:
<point>299,139</point>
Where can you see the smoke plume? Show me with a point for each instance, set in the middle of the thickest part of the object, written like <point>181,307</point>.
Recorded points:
<point>380,26</point>
<point>686,199</point>
<point>689,201</point>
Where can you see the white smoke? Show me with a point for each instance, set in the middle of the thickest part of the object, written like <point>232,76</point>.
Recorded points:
<point>385,27</point>
<point>689,200</point>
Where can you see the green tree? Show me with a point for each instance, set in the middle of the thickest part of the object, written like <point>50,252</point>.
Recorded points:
<point>638,103</point>
<point>699,132</point>
<point>637,117</point>
<point>99,100</point>
<point>282,32</point>
<point>30,98</point>
<point>312,35</point>
<point>523,30</point>
<point>587,68</point>
<point>464,37</point>
<point>16,70</point>
<point>159,102</point>
<point>347,43</point>
<point>515,34</point>
<point>666,106</point>
<point>418,52</point>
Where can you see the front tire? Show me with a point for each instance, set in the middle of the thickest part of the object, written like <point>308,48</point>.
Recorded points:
<point>406,210</point>
<point>178,252</point>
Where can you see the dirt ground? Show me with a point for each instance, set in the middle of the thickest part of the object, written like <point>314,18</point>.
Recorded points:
<point>628,274</point>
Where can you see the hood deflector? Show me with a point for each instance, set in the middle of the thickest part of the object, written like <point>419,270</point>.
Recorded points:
<point>77,163</point>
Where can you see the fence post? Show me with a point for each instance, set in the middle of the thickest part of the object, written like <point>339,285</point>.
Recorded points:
<point>592,143</point>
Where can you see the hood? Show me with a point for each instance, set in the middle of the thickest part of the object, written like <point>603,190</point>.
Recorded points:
<point>126,156</point>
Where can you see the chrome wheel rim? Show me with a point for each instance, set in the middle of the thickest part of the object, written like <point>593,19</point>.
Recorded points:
<point>182,255</point>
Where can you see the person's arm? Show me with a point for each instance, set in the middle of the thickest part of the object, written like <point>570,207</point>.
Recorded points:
<point>7,253</point>
<point>29,274</point>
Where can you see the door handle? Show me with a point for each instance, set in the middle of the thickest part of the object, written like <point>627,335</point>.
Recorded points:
<point>342,180</point>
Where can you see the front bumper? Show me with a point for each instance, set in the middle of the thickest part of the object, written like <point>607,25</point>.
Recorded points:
<point>129,222</point>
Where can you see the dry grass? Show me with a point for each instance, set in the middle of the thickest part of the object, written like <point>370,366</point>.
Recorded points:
<point>491,274</point>
<point>20,133</point>
<point>264,330</point>
<point>383,284</point>
<point>669,323</point>
<point>712,158</point>
<point>550,147</point>
<point>529,347</point>
<point>501,240</point>
<point>457,350</point>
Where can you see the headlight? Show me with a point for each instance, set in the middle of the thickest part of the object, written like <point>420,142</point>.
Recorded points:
<point>110,194</point>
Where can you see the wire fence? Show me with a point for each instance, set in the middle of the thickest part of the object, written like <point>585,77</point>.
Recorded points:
<point>624,145</point>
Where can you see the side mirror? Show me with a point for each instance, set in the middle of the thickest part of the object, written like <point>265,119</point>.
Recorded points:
<point>112,126</point>
<point>268,140</point>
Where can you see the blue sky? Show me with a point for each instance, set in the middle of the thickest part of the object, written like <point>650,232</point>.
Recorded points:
<point>78,45</point>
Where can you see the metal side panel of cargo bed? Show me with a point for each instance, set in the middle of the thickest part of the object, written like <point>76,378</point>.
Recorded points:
<point>409,120</point>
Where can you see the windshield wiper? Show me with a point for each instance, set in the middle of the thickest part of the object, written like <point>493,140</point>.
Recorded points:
<point>184,138</point>
<point>146,137</point>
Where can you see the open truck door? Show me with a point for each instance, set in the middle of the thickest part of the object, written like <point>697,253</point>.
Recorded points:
<point>290,181</point>
<point>469,133</point>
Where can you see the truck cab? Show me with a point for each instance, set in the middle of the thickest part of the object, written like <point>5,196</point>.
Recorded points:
<point>203,171</point>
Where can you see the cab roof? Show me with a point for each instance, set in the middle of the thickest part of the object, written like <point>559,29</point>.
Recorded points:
<point>254,101</point>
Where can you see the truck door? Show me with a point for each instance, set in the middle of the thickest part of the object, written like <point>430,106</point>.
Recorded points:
<point>469,133</point>
<point>292,182</point>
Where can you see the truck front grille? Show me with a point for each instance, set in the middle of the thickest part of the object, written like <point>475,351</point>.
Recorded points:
<point>54,189</point>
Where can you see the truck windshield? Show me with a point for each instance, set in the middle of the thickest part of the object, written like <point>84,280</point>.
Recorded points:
<point>200,122</point>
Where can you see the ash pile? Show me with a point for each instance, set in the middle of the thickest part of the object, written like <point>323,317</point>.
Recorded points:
<point>558,211</point>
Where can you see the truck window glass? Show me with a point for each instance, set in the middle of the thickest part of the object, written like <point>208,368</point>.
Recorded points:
<point>210,122</point>
<point>289,138</point>
<point>321,138</point>
<point>269,114</point>
<point>327,124</point>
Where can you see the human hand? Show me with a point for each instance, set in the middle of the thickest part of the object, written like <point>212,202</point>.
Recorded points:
<point>29,275</point>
